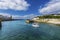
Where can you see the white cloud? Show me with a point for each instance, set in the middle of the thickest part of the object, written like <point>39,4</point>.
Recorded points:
<point>51,7</point>
<point>14,4</point>
<point>5,14</point>
<point>13,16</point>
<point>17,17</point>
<point>29,16</point>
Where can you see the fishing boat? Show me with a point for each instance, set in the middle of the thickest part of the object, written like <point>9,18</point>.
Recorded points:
<point>35,25</point>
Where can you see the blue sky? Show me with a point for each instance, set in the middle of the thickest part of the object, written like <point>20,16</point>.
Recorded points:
<point>22,8</point>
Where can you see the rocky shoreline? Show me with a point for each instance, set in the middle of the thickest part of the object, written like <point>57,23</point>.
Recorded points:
<point>53,21</point>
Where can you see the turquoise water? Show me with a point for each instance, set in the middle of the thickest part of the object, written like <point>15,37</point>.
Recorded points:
<point>19,30</point>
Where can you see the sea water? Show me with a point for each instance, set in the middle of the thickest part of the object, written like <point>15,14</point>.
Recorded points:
<point>19,30</point>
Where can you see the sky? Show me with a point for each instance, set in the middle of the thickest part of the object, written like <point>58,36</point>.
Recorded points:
<point>24,9</point>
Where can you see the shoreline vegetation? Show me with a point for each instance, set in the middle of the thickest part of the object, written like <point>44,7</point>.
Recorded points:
<point>51,18</point>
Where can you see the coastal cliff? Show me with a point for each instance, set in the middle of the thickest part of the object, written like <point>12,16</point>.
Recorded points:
<point>53,21</point>
<point>52,18</point>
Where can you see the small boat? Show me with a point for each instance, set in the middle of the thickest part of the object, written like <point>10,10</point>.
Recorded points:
<point>35,25</point>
